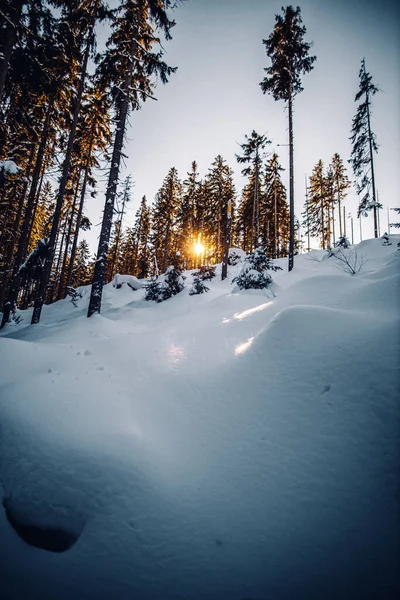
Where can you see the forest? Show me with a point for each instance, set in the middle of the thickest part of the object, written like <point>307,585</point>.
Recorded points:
<point>64,115</point>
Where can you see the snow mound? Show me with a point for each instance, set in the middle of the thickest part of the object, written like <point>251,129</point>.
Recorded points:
<point>133,282</point>
<point>208,448</point>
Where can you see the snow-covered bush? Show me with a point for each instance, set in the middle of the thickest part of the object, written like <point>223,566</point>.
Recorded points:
<point>254,272</point>
<point>235,256</point>
<point>343,242</point>
<point>172,284</point>
<point>31,269</point>
<point>205,273</point>
<point>153,290</point>
<point>198,286</point>
<point>133,282</point>
<point>74,295</point>
<point>386,240</point>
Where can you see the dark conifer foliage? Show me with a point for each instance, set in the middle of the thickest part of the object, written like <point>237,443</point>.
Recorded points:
<point>364,144</point>
<point>318,211</point>
<point>254,272</point>
<point>252,155</point>
<point>341,184</point>
<point>290,58</point>
<point>274,211</point>
<point>133,59</point>
<point>164,218</point>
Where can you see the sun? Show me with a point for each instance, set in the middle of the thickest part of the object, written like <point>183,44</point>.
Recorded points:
<point>199,248</point>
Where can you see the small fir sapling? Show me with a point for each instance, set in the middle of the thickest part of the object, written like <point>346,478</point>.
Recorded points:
<point>206,272</point>
<point>153,290</point>
<point>343,242</point>
<point>172,284</point>
<point>253,274</point>
<point>234,258</point>
<point>198,286</point>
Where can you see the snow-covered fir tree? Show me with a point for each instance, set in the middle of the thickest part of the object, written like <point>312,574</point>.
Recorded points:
<point>254,272</point>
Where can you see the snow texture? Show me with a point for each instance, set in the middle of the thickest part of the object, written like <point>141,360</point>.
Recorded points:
<point>9,166</point>
<point>216,447</point>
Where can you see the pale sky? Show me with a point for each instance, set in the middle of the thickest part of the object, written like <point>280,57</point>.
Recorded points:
<point>214,99</point>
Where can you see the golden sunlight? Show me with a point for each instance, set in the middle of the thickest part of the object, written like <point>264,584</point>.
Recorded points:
<point>198,248</point>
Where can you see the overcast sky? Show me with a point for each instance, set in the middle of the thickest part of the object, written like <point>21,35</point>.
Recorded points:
<point>214,99</point>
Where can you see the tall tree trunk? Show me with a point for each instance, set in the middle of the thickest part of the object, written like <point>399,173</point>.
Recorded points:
<point>117,241</point>
<point>227,241</point>
<point>9,42</point>
<point>257,232</point>
<point>24,237</point>
<point>275,224</point>
<point>60,293</point>
<point>291,185</point>
<point>322,219</point>
<point>79,217</point>
<point>372,170</point>
<point>40,299</point>
<point>102,252</point>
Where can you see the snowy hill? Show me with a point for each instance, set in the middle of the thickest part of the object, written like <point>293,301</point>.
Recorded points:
<point>213,447</point>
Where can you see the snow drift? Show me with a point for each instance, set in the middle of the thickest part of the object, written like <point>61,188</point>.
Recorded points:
<point>213,447</point>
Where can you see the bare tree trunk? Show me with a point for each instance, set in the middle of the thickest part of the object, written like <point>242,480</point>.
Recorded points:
<point>60,293</point>
<point>117,241</point>
<point>227,241</point>
<point>322,220</point>
<point>40,299</point>
<point>9,42</point>
<point>291,185</point>
<point>79,218</point>
<point>102,252</point>
<point>24,237</point>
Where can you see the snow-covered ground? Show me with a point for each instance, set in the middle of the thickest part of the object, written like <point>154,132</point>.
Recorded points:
<point>214,447</point>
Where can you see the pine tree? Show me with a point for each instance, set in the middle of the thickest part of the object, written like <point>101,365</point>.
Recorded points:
<point>254,272</point>
<point>129,66</point>
<point>188,227</point>
<point>253,154</point>
<point>83,41</point>
<point>290,58</point>
<point>274,211</point>
<point>219,191</point>
<point>364,144</point>
<point>198,285</point>
<point>164,217</point>
<point>317,215</point>
<point>113,263</point>
<point>81,271</point>
<point>341,184</point>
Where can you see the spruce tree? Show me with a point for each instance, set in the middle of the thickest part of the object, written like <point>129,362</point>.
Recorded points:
<point>252,155</point>
<point>220,196</point>
<point>254,272</point>
<point>164,215</point>
<point>80,273</point>
<point>274,211</point>
<point>133,58</point>
<point>364,144</point>
<point>188,229</point>
<point>290,58</point>
<point>83,39</point>
<point>317,215</point>
<point>341,184</point>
